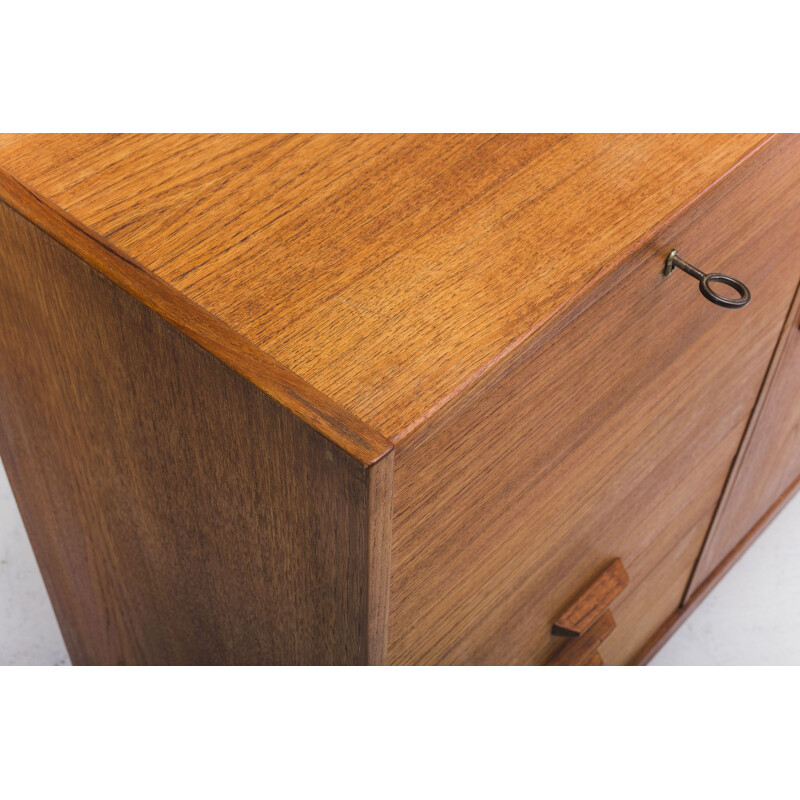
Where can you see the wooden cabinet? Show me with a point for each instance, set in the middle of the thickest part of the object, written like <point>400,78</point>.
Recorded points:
<point>392,399</point>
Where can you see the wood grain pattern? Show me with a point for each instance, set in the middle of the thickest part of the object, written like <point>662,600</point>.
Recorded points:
<point>660,572</point>
<point>493,306</point>
<point>311,406</point>
<point>595,660</point>
<point>178,513</point>
<point>387,272</point>
<point>593,601</point>
<point>583,650</point>
<point>591,444</point>
<point>769,457</point>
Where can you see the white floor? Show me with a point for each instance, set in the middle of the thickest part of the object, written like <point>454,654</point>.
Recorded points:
<point>29,632</point>
<point>751,617</point>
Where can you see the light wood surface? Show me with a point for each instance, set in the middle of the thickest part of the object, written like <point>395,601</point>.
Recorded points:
<point>591,446</point>
<point>387,272</point>
<point>769,458</point>
<point>293,393</point>
<point>179,515</point>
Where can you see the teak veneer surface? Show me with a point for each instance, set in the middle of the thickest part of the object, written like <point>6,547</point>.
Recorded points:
<point>769,458</point>
<point>179,515</point>
<point>612,440</point>
<point>385,271</point>
<point>459,348</point>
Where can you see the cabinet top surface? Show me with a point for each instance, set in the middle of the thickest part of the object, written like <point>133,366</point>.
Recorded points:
<point>386,271</point>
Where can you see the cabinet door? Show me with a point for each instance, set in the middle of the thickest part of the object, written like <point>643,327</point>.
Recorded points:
<point>768,464</point>
<point>612,440</point>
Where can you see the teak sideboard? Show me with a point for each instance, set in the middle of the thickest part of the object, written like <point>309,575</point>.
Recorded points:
<point>395,399</point>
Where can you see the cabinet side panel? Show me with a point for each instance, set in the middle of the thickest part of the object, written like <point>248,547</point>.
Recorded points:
<point>178,514</point>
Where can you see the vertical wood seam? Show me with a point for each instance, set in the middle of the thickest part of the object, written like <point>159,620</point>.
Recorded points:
<point>741,453</point>
<point>380,493</point>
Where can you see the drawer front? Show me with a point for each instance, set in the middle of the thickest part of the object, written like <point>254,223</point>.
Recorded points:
<point>613,439</point>
<point>768,465</point>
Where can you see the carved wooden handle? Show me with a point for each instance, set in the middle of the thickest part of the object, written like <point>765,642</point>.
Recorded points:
<point>595,660</point>
<point>583,650</point>
<point>592,602</point>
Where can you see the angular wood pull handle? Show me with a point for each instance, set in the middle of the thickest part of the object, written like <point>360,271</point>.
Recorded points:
<point>594,600</point>
<point>583,650</point>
